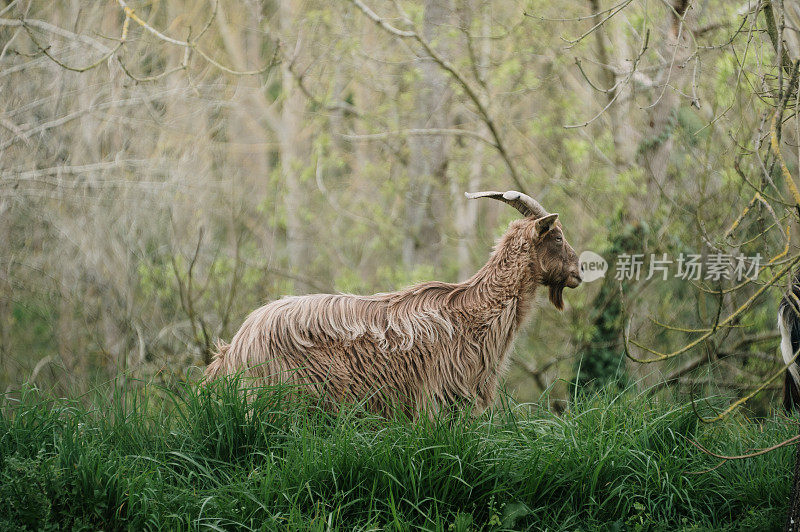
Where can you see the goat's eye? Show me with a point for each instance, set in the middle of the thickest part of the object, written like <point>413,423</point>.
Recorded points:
<point>559,239</point>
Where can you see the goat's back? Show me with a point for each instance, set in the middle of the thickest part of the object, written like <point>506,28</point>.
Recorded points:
<point>386,347</point>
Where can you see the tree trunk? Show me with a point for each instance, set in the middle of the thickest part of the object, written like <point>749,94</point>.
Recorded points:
<point>467,211</point>
<point>291,156</point>
<point>657,145</point>
<point>793,519</point>
<point>619,114</point>
<point>428,160</point>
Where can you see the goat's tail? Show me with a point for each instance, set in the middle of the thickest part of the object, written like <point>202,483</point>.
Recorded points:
<point>789,327</point>
<point>217,365</point>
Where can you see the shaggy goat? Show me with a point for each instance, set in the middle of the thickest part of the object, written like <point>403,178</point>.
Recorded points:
<point>427,347</point>
<point>789,327</point>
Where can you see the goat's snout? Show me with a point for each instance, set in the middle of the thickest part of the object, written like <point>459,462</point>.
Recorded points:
<point>574,279</point>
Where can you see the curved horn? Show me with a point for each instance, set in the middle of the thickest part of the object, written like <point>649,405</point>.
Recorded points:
<point>522,202</point>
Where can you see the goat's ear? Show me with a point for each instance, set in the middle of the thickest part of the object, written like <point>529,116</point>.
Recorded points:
<point>544,225</point>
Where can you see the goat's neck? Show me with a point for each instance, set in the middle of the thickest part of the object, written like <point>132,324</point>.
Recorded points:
<point>506,279</point>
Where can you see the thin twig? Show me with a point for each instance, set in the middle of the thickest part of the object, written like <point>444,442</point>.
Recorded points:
<point>129,12</point>
<point>420,132</point>
<point>784,443</point>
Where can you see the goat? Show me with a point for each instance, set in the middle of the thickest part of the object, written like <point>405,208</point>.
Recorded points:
<point>789,327</point>
<point>422,349</point>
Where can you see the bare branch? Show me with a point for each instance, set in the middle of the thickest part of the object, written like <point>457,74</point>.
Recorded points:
<point>46,26</point>
<point>465,84</point>
<point>129,12</point>
<point>666,356</point>
<point>723,457</point>
<point>420,132</point>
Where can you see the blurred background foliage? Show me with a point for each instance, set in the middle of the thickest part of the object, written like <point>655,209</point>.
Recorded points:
<point>166,169</point>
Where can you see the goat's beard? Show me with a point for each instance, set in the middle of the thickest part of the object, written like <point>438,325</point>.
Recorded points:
<point>557,296</point>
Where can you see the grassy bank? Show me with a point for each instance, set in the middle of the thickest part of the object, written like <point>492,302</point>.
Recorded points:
<point>183,460</point>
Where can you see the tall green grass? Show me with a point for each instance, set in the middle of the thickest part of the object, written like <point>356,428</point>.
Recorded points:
<point>215,459</point>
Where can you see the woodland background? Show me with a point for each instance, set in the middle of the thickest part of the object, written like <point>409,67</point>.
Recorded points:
<point>167,166</point>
